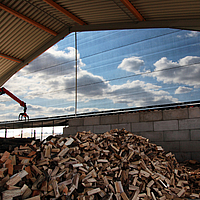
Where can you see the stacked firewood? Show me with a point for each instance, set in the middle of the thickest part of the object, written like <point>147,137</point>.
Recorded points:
<point>116,165</point>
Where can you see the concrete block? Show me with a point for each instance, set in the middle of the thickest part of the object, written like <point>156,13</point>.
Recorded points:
<point>109,119</point>
<point>188,146</point>
<point>189,123</point>
<point>67,131</point>
<point>166,125</point>
<point>176,135</point>
<point>194,112</point>
<point>175,114</point>
<point>181,157</point>
<point>196,156</point>
<point>195,134</point>
<point>153,136</point>
<point>102,128</point>
<point>76,122</point>
<point>128,117</point>
<point>142,127</point>
<point>121,126</point>
<point>92,121</point>
<point>85,128</point>
<point>170,146</point>
<point>151,116</point>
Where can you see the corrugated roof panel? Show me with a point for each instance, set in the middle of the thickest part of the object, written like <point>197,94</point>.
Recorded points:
<point>37,43</point>
<point>6,19</point>
<point>168,9</point>
<point>60,16</point>
<point>11,44</point>
<point>95,11</point>
<point>27,42</point>
<point>12,3</point>
<point>29,35</point>
<point>52,12</point>
<point>12,32</point>
<point>160,4</point>
<point>32,12</point>
<point>5,65</point>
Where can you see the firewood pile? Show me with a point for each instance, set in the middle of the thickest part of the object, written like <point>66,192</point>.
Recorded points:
<point>116,165</point>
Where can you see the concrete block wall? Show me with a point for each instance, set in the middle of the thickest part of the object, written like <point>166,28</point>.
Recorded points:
<point>176,130</point>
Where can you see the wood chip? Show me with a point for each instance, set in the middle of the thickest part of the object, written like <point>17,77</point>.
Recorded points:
<point>94,191</point>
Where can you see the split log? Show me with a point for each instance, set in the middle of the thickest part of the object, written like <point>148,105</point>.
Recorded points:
<point>10,194</point>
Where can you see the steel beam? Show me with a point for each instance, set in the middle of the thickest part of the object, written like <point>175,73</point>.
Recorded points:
<point>65,12</point>
<point>133,10</point>
<point>10,58</point>
<point>30,21</point>
<point>188,24</point>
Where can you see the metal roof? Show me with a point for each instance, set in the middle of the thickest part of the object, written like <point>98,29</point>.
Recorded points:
<point>29,27</point>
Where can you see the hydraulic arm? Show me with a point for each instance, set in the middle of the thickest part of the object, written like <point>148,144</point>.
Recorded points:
<point>23,104</point>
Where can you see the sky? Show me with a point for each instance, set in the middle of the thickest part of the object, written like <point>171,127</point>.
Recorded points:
<point>115,70</point>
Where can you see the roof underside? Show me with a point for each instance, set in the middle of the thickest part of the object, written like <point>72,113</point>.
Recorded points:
<point>29,27</point>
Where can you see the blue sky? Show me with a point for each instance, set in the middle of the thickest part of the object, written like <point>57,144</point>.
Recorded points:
<point>116,69</point>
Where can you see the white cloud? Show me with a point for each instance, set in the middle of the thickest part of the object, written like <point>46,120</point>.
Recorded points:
<point>43,111</point>
<point>35,111</point>
<point>5,98</point>
<point>193,34</point>
<point>197,86</point>
<point>58,82</point>
<point>189,34</point>
<point>131,64</point>
<point>185,71</point>
<point>91,85</point>
<point>11,107</point>
<point>10,112</point>
<point>54,62</point>
<point>139,93</point>
<point>182,89</point>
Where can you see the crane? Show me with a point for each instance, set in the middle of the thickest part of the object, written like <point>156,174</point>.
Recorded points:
<point>23,104</point>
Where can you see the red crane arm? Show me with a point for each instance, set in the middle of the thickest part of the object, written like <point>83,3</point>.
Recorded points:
<point>23,104</point>
<point>5,91</point>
